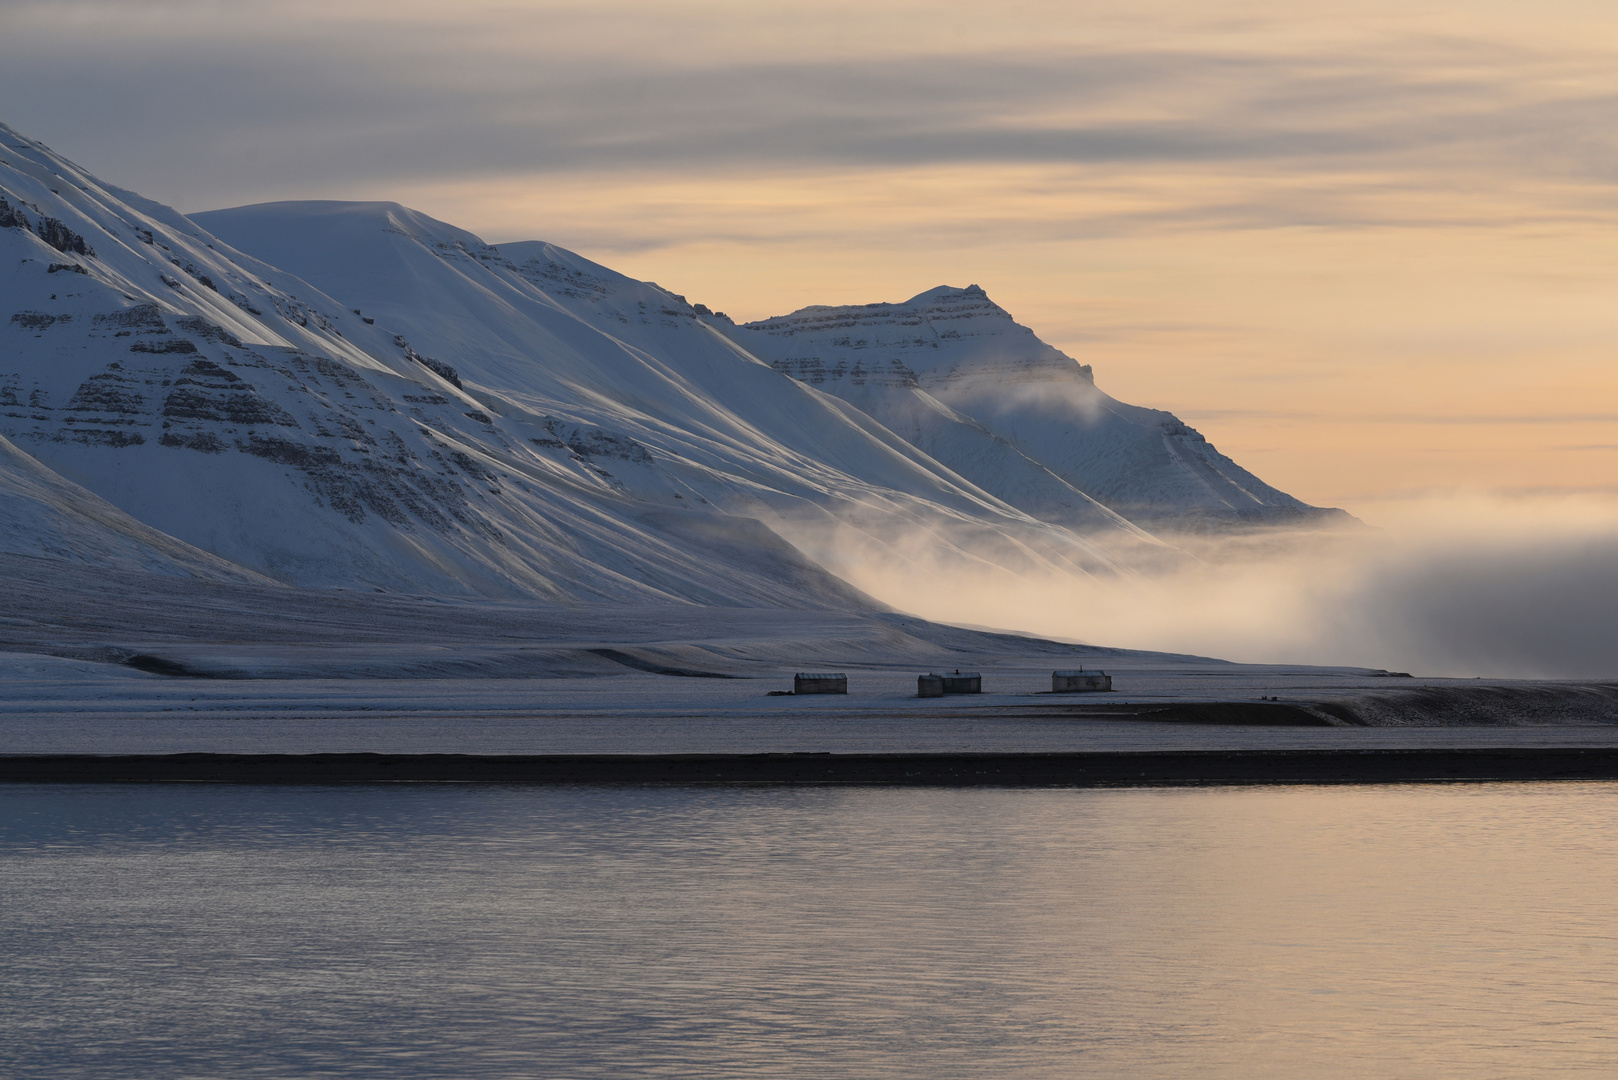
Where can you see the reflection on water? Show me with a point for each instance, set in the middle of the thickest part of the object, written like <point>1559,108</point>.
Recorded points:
<point>445,931</point>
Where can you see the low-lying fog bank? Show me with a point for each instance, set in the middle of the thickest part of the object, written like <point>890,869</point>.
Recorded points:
<point>1459,586</point>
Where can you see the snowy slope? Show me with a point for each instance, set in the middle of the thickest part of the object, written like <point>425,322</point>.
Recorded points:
<point>238,409</point>
<point>950,373</point>
<point>45,516</point>
<point>953,372</point>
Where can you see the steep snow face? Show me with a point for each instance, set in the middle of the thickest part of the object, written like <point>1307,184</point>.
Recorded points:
<point>957,376</point>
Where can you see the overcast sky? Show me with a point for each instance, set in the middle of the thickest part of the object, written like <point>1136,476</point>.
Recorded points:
<point>1368,248</point>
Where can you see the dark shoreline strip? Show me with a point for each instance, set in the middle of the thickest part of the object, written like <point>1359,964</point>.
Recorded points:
<point>1093,769</point>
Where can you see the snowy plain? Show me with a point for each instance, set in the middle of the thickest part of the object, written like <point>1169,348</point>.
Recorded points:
<point>110,661</point>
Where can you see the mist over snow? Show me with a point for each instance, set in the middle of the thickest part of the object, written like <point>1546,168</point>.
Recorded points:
<point>1451,585</point>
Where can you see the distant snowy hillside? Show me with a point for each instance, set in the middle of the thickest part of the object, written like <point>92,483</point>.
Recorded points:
<point>953,373</point>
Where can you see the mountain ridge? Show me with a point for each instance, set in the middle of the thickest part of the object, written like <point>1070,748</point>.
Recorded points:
<point>354,394</point>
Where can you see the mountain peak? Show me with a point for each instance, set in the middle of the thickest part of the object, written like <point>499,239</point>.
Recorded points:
<point>947,292</point>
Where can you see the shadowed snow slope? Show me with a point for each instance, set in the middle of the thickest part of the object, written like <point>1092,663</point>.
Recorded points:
<point>46,516</point>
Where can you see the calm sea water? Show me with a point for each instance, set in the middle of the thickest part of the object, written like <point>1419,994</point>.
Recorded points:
<point>170,931</point>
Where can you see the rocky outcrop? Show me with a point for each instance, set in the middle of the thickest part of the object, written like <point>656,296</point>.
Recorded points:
<point>594,442</point>
<point>11,217</point>
<point>207,392</point>
<point>62,238</point>
<point>437,367</point>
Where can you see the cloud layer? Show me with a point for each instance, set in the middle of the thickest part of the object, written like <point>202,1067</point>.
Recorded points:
<point>289,94</point>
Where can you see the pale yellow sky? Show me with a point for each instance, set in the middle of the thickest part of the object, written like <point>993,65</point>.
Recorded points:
<point>1369,248</point>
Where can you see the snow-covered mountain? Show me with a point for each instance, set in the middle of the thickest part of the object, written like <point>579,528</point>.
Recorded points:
<point>355,394</point>
<point>953,373</point>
